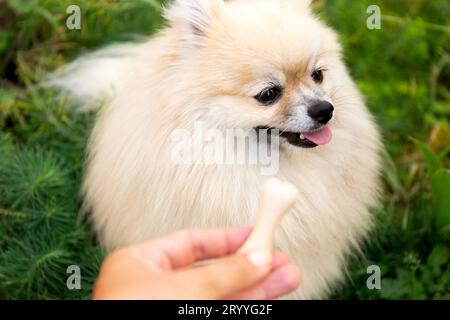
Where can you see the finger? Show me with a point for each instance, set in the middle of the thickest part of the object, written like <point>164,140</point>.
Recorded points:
<point>280,282</point>
<point>278,259</point>
<point>228,276</point>
<point>183,248</point>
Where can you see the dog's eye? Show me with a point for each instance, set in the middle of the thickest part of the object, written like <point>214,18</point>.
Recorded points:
<point>269,95</point>
<point>317,75</point>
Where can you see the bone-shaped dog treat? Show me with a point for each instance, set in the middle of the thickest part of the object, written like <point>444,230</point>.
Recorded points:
<point>277,197</point>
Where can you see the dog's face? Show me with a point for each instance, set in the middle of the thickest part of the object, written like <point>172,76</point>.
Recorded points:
<point>262,64</point>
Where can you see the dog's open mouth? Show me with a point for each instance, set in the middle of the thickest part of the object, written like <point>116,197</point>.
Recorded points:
<point>301,139</point>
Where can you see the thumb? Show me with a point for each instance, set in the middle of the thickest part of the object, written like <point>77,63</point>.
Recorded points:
<point>228,275</point>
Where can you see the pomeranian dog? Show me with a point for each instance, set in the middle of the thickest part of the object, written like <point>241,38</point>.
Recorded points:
<point>267,65</point>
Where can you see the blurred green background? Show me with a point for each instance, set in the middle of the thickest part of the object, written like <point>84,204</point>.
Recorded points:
<point>402,69</point>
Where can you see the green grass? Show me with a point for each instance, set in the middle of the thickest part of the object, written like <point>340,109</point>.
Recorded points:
<point>402,69</point>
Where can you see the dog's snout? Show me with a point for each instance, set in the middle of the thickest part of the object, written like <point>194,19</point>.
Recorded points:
<point>321,111</point>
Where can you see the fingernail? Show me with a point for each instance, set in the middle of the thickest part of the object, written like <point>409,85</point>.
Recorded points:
<point>260,258</point>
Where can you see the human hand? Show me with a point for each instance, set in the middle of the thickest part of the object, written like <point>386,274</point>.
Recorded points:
<point>163,269</point>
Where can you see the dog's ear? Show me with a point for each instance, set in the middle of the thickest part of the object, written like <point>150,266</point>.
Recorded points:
<point>193,17</point>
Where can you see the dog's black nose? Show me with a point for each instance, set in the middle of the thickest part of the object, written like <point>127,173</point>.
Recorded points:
<point>321,111</point>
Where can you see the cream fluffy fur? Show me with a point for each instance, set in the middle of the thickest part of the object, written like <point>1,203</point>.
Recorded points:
<point>207,65</point>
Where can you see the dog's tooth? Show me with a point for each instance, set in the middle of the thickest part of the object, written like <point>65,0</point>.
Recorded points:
<point>302,136</point>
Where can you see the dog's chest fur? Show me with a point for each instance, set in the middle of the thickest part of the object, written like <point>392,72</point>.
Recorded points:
<point>329,219</point>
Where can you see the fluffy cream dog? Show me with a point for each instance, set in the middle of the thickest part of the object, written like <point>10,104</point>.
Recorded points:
<point>236,64</point>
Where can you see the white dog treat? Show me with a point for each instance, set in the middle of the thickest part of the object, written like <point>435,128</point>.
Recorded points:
<point>277,197</point>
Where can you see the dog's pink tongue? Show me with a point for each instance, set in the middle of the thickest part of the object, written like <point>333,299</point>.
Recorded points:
<point>322,136</point>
